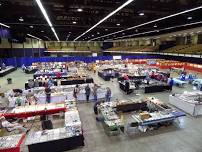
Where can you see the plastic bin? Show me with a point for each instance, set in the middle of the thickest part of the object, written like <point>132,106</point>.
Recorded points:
<point>9,80</point>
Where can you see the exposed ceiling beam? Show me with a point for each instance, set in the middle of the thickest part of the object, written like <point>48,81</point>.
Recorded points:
<point>153,21</point>
<point>105,18</point>
<point>46,17</point>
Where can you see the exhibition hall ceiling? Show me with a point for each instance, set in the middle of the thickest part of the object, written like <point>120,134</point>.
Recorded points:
<point>84,20</point>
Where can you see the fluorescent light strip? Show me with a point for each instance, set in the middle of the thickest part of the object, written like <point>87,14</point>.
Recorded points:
<point>163,18</point>
<point>34,37</point>
<point>168,28</point>
<point>46,17</point>
<point>4,25</point>
<point>105,18</point>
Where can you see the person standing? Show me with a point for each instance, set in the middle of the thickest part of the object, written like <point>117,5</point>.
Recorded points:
<point>48,94</point>
<point>50,82</point>
<point>94,68</point>
<point>87,90</point>
<point>76,91</point>
<point>127,87</point>
<point>171,83</point>
<point>95,92</point>
<point>36,82</point>
<point>108,95</point>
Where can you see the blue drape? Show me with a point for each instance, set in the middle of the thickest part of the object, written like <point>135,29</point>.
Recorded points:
<point>27,61</point>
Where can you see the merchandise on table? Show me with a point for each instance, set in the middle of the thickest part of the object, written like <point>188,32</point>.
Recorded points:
<point>179,82</point>
<point>147,112</point>
<point>61,139</point>
<point>11,143</point>
<point>7,70</point>
<point>33,110</point>
<point>190,102</point>
<point>153,86</point>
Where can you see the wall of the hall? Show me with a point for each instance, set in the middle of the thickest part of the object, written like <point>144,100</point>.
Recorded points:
<point>72,45</point>
<point>180,40</point>
<point>30,48</point>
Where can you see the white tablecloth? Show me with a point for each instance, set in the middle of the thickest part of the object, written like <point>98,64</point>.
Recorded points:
<point>190,108</point>
<point>54,99</point>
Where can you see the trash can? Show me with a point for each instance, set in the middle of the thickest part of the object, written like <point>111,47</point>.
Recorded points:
<point>9,80</point>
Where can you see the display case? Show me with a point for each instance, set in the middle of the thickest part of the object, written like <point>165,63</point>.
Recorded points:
<point>11,143</point>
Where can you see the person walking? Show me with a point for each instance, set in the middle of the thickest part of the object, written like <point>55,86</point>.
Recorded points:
<point>87,91</point>
<point>108,95</point>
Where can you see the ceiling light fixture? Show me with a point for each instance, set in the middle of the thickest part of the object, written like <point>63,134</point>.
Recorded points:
<point>21,19</point>
<point>155,26</point>
<point>168,28</point>
<point>153,21</point>
<point>105,18</point>
<point>34,36</point>
<point>98,33</point>
<point>189,18</point>
<point>31,26</point>
<point>42,31</point>
<point>80,10</point>
<point>4,25</point>
<point>141,14</point>
<point>46,17</point>
<point>118,24</point>
<point>74,22</point>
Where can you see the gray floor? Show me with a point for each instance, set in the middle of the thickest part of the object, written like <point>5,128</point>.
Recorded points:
<point>187,137</point>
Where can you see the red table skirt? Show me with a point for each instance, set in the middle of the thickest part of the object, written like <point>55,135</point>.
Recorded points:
<point>14,149</point>
<point>34,113</point>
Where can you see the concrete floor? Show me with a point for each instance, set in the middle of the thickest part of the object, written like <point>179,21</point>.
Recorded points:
<point>186,137</point>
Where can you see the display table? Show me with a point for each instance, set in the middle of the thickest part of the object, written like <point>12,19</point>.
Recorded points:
<point>76,81</point>
<point>128,106</point>
<point>30,71</point>
<point>179,82</point>
<point>132,78</point>
<point>6,71</point>
<point>122,86</point>
<point>107,76</point>
<point>67,93</point>
<point>48,74</point>
<point>101,92</point>
<point>187,103</point>
<point>197,82</point>
<point>11,143</point>
<point>34,110</point>
<point>111,121</point>
<point>54,140</point>
<point>66,82</point>
<point>55,98</point>
<point>40,84</point>
<point>156,88</point>
<point>157,117</point>
<point>60,139</point>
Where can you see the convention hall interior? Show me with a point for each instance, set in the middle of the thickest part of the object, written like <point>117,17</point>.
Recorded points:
<point>100,75</point>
